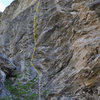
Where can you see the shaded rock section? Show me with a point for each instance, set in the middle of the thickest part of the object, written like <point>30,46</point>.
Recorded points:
<point>7,69</point>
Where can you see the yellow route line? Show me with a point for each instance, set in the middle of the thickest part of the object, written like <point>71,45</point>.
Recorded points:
<point>35,46</point>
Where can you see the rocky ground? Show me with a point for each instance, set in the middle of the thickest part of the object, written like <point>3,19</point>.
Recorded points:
<point>68,47</point>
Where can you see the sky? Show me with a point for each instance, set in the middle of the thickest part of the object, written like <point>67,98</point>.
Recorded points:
<point>4,4</point>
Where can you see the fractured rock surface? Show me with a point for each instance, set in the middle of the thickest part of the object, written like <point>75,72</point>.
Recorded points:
<point>68,45</point>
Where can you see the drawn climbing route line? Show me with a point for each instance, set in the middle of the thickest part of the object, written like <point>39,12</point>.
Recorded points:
<point>35,47</point>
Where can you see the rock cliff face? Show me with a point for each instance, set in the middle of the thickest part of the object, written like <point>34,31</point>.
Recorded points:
<point>68,45</point>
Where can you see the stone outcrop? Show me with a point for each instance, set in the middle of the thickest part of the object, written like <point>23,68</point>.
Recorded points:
<point>7,69</point>
<point>68,45</point>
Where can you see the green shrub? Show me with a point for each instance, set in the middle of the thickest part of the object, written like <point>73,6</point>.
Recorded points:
<point>20,90</point>
<point>6,98</point>
<point>23,87</point>
<point>44,94</point>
